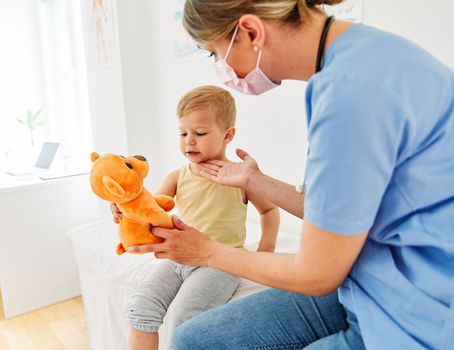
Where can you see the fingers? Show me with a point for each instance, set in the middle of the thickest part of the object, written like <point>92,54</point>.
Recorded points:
<point>162,255</point>
<point>161,232</point>
<point>180,225</point>
<point>113,207</point>
<point>210,169</point>
<point>207,167</point>
<point>212,164</point>
<point>214,167</point>
<point>219,163</point>
<point>143,248</point>
<point>148,248</point>
<point>209,176</point>
<point>209,172</point>
<point>242,153</point>
<point>116,213</point>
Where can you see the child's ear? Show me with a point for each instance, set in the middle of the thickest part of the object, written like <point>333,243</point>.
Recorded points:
<point>229,135</point>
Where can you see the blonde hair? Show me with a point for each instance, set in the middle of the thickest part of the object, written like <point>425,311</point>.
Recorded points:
<point>207,21</point>
<point>209,96</point>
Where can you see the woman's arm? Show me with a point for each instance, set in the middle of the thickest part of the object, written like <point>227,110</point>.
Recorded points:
<point>247,175</point>
<point>321,265</point>
<point>277,192</point>
<point>269,221</point>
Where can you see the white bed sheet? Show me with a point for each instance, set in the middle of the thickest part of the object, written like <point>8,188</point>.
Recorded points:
<point>106,278</point>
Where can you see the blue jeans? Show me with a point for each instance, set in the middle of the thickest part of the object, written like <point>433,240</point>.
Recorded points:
<point>272,319</point>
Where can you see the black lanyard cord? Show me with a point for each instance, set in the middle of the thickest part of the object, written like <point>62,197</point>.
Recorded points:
<point>321,45</point>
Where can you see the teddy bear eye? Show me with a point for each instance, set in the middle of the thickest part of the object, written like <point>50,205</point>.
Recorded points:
<point>129,165</point>
<point>142,158</point>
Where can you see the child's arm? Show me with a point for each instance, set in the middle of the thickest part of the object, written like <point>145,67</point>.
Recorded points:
<point>269,220</point>
<point>169,185</point>
<point>168,189</point>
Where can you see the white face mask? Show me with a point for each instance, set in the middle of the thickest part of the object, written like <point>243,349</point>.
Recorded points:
<point>254,83</point>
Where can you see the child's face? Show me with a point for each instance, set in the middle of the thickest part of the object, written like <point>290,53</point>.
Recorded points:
<point>201,136</point>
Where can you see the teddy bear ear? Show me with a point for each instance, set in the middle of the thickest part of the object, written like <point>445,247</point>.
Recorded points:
<point>112,186</point>
<point>94,156</point>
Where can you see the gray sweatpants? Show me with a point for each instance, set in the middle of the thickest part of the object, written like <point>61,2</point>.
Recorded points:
<point>178,292</point>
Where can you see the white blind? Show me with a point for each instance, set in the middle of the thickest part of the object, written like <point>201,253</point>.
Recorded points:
<point>42,67</point>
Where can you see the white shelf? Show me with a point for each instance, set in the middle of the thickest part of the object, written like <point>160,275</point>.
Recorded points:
<point>10,183</point>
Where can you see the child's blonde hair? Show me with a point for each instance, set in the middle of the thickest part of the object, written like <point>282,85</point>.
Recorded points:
<point>209,96</point>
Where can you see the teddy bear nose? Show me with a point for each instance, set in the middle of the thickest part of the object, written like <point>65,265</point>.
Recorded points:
<point>142,158</point>
<point>129,165</point>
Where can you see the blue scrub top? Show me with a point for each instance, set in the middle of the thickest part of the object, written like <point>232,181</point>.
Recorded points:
<point>381,159</point>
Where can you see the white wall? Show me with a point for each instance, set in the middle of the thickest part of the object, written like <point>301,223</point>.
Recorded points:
<point>427,23</point>
<point>105,89</point>
<point>137,51</point>
<point>272,126</point>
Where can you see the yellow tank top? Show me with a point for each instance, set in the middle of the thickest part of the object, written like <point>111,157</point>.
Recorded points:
<point>216,210</point>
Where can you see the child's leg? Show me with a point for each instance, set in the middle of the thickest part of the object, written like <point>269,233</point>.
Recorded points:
<point>203,288</point>
<point>148,303</point>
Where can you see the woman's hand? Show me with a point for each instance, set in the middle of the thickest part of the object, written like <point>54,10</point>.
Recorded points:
<point>116,213</point>
<point>183,244</point>
<point>235,174</point>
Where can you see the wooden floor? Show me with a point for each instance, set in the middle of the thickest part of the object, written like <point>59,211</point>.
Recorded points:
<point>57,327</point>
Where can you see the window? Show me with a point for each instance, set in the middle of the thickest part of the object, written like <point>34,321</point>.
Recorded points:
<point>44,81</point>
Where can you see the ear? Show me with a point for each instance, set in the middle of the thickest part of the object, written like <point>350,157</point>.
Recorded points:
<point>94,156</point>
<point>254,29</point>
<point>112,186</point>
<point>229,135</point>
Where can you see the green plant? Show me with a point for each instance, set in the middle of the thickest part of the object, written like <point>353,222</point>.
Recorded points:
<point>32,120</point>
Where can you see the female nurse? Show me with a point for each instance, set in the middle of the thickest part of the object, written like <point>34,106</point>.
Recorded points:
<point>375,267</point>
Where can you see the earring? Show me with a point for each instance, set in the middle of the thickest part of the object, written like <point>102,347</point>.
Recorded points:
<point>255,48</point>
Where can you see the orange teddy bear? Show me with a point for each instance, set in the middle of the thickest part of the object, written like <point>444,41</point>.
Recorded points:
<point>119,180</point>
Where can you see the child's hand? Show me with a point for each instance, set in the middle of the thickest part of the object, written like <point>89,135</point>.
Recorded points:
<point>116,213</point>
<point>235,174</point>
